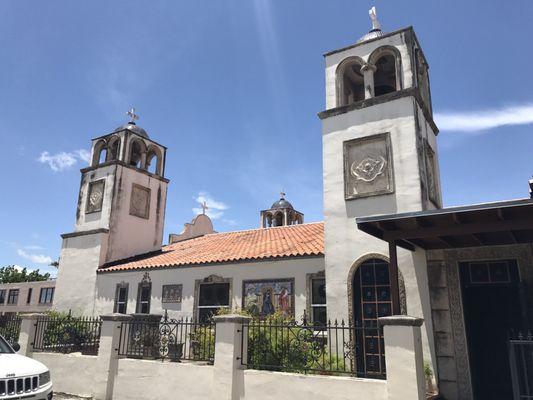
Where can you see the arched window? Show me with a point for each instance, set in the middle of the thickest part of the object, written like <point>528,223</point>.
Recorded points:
<point>153,160</point>
<point>113,148</point>
<point>99,153</point>
<point>350,82</point>
<point>278,219</point>
<point>387,60</point>
<point>137,150</point>
<point>374,295</point>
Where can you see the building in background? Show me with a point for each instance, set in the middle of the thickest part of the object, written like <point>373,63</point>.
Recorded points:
<point>26,297</point>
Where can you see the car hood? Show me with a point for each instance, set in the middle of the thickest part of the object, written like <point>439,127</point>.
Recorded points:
<point>19,365</point>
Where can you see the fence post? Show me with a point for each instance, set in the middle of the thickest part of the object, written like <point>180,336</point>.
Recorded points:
<point>228,379</point>
<point>404,358</point>
<point>27,333</point>
<point>108,355</point>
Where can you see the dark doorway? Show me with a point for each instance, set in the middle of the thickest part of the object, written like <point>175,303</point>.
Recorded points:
<point>373,296</point>
<point>491,303</point>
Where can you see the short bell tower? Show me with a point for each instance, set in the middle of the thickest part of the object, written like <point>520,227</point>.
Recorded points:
<point>120,212</point>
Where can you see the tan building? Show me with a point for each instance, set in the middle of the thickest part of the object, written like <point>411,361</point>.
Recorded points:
<point>26,297</point>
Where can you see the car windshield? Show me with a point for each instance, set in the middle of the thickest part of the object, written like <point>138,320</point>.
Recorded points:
<point>4,347</point>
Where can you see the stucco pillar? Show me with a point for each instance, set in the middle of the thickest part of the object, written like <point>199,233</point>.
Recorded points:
<point>228,379</point>
<point>368,79</point>
<point>27,333</point>
<point>404,358</point>
<point>108,355</point>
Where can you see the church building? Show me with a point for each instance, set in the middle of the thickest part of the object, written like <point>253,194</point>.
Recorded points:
<point>386,245</point>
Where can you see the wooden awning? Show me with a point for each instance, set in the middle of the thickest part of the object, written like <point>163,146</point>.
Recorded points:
<point>488,224</point>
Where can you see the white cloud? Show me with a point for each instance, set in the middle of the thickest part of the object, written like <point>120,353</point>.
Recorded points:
<point>63,160</point>
<point>35,258</point>
<point>215,208</point>
<point>475,121</point>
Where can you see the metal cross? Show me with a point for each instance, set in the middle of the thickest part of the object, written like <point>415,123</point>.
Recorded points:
<point>204,207</point>
<point>282,194</point>
<point>132,114</point>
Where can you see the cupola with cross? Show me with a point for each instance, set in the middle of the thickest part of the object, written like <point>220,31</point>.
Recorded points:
<point>120,211</point>
<point>280,214</point>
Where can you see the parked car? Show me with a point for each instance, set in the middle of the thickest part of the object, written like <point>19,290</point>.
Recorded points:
<point>21,377</point>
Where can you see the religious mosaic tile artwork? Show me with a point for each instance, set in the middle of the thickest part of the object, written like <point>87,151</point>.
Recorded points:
<point>265,297</point>
<point>171,293</point>
<point>140,201</point>
<point>368,166</point>
<point>95,196</point>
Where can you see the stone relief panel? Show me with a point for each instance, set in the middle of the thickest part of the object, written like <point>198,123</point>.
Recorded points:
<point>368,167</point>
<point>431,175</point>
<point>171,293</point>
<point>140,201</point>
<point>95,196</point>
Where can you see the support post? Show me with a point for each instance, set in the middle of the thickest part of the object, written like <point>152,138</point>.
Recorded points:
<point>404,358</point>
<point>228,379</point>
<point>368,79</point>
<point>27,333</point>
<point>108,355</point>
<point>393,268</point>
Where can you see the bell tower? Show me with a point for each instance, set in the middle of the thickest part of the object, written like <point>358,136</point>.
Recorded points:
<point>120,212</point>
<point>379,157</point>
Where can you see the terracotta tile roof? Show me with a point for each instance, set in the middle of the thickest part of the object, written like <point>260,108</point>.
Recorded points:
<point>257,244</point>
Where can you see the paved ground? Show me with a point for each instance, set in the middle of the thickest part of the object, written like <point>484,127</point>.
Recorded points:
<point>61,396</point>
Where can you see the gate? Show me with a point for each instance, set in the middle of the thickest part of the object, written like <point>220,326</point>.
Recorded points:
<point>521,359</point>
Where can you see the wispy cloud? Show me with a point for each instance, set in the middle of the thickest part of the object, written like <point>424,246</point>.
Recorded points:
<point>215,208</point>
<point>35,258</point>
<point>483,120</point>
<point>63,160</point>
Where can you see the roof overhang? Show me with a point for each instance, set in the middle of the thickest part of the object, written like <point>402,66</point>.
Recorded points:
<point>487,224</point>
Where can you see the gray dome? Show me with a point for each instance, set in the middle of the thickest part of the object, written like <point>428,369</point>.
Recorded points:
<point>134,128</point>
<point>374,33</point>
<point>282,203</point>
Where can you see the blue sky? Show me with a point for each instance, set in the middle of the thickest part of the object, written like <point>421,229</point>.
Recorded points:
<point>232,87</point>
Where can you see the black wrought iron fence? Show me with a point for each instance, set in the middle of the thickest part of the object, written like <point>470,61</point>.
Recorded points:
<point>169,339</point>
<point>330,349</point>
<point>67,334</point>
<point>10,327</point>
<point>521,359</point>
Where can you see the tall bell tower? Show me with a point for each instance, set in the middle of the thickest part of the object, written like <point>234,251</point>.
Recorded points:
<point>120,212</point>
<point>379,157</point>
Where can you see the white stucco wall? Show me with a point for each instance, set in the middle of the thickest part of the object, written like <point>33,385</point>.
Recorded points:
<point>76,276</point>
<point>265,385</point>
<point>297,268</point>
<point>143,379</point>
<point>72,373</point>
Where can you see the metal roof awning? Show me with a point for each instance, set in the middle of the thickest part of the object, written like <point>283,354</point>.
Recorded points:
<point>488,224</point>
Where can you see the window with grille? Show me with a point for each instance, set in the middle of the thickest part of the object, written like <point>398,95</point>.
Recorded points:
<point>212,296</point>
<point>47,296</point>
<point>13,296</point>
<point>318,301</point>
<point>121,298</point>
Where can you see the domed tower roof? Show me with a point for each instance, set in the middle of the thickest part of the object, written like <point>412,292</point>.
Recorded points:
<point>281,213</point>
<point>131,126</point>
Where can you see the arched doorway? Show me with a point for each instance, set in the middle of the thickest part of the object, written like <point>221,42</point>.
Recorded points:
<point>375,295</point>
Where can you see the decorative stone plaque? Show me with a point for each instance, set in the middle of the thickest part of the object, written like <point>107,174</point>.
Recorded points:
<point>171,293</point>
<point>140,201</point>
<point>368,166</point>
<point>95,196</point>
<point>431,176</point>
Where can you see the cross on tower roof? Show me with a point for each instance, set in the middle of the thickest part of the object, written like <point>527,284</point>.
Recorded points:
<point>282,194</point>
<point>132,115</point>
<point>204,207</point>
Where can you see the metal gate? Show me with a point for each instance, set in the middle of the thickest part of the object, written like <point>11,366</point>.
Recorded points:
<point>521,359</point>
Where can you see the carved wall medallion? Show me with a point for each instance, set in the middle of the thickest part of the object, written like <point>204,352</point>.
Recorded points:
<point>140,201</point>
<point>95,196</point>
<point>368,166</point>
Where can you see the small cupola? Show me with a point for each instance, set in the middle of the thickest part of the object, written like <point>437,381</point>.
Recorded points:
<point>281,213</point>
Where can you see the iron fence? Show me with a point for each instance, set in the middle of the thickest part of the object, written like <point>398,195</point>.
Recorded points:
<point>10,327</point>
<point>67,334</point>
<point>327,349</point>
<point>168,339</point>
<point>521,359</point>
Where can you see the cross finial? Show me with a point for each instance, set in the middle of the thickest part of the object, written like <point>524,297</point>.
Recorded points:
<point>132,114</point>
<point>376,26</point>
<point>282,194</point>
<point>204,207</point>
